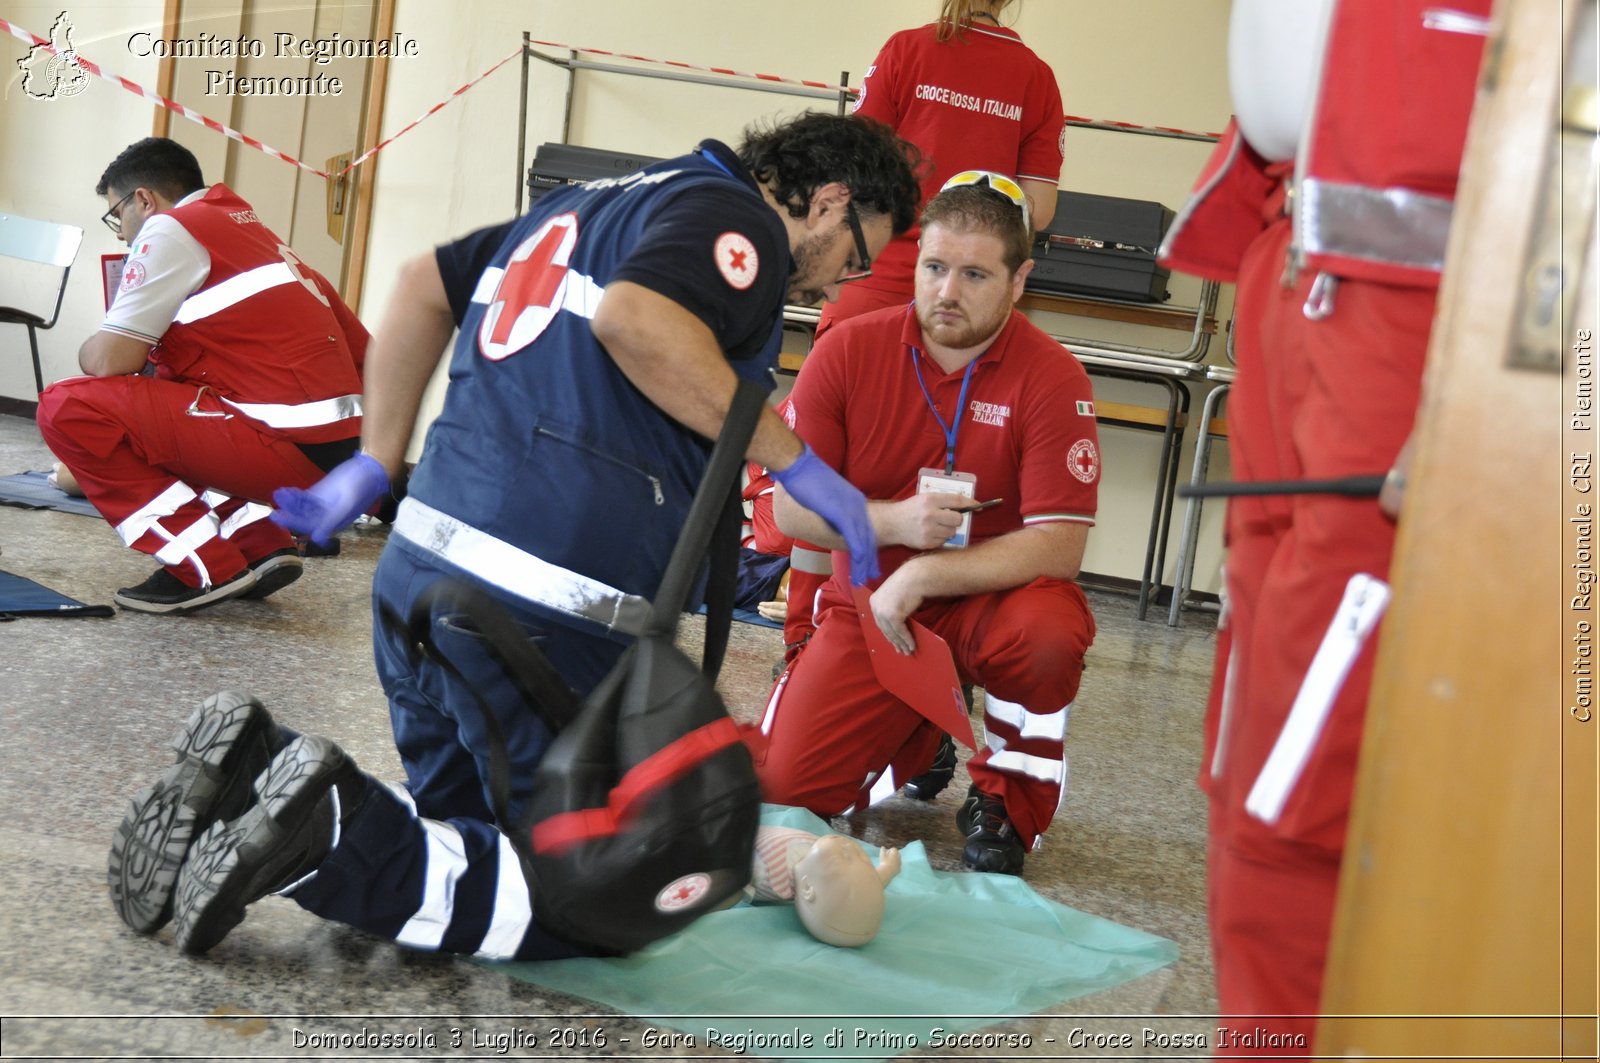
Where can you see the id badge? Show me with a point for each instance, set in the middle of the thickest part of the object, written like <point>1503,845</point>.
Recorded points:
<point>955,483</point>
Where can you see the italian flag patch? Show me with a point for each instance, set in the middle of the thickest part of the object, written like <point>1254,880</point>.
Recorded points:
<point>1085,409</point>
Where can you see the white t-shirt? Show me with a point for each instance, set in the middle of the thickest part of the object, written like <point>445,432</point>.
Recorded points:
<point>165,265</point>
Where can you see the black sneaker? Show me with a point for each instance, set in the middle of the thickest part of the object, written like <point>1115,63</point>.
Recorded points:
<point>277,842</point>
<point>992,842</point>
<point>306,547</point>
<point>165,593</point>
<point>223,746</point>
<point>931,783</point>
<point>275,572</point>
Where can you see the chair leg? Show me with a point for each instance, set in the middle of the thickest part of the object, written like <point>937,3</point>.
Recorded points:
<point>38,374</point>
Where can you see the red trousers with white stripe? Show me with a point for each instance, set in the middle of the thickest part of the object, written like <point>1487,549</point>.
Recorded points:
<point>830,730</point>
<point>1314,399</point>
<point>187,486</point>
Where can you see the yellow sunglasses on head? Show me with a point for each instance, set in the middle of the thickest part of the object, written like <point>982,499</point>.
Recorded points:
<point>997,182</point>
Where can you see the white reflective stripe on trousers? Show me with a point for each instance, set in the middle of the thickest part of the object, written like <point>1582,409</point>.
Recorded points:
<point>242,517</point>
<point>1029,725</point>
<point>1365,598</point>
<point>513,913</point>
<point>446,863</point>
<point>163,505</point>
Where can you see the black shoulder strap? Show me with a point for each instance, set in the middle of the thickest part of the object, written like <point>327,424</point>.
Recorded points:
<point>712,528</point>
<point>722,476</point>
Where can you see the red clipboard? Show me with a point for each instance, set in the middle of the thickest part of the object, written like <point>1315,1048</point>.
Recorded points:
<point>925,680</point>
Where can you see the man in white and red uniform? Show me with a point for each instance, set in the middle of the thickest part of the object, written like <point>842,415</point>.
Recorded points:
<point>964,386</point>
<point>1329,203</point>
<point>224,369</point>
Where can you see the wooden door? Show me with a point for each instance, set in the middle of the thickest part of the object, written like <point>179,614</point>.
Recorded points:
<point>1466,923</point>
<point>324,222</point>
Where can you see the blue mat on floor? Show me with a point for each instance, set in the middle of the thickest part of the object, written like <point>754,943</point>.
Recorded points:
<point>956,952</point>
<point>31,490</point>
<point>22,597</point>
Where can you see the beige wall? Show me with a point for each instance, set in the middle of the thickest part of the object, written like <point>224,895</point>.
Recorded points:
<point>1157,62</point>
<point>52,152</point>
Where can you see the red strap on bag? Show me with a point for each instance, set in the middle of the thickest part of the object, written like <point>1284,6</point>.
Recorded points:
<point>659,770</point>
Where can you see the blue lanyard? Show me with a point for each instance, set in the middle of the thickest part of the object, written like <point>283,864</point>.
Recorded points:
<point>949,430</point>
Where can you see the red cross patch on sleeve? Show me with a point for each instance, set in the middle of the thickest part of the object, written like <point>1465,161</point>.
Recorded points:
<point>737,260</point>
<point>133,275</point>
<point>1083,461</point>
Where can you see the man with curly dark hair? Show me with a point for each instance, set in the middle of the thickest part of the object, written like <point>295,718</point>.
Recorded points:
<point>600,341</point>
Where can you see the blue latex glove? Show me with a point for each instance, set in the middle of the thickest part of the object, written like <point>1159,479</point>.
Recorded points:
<point>333,502</point>
<point>830,496</point>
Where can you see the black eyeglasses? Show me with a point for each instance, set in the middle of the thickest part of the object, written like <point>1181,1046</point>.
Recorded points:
<point>863,260</point>
<point>113,218</point>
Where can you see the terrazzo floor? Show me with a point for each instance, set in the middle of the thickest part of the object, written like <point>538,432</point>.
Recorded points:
<point>87,707</point>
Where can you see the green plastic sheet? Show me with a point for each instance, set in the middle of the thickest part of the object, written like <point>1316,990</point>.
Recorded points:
<point>956,952</point>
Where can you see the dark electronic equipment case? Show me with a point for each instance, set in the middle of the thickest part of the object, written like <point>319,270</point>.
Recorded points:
<point>1104,247</point>
<point>559,165</point>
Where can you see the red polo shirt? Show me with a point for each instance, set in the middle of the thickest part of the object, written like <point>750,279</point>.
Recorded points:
<point>1026,430</point>
<point>983,101</point>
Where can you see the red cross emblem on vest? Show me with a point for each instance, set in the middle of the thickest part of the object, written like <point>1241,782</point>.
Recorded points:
<point>530,292</point>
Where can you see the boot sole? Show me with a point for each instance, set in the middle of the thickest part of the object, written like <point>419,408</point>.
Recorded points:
<point>273,575</point>
<point>223,874</point>
<point>163,820</point>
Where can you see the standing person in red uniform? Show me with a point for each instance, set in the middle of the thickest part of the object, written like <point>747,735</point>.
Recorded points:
<point>971,96</point>
<point>1329,203</point>
<point>963,386</point>
<point>254,383</point>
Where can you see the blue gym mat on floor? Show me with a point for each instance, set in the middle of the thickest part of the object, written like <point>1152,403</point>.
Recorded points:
<point>21,597</point>
<point>31,490</point>
<point>956,952</point>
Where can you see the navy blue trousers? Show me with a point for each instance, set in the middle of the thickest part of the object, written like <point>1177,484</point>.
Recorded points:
<point>425,864</point>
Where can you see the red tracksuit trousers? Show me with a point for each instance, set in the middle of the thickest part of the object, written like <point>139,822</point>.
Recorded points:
<point>1313,399</point>
<point>177,475</point>
<point>831,731</point>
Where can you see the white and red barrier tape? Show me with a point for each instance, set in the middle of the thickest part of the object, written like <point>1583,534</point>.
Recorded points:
<point>1092,123</point>
<point>704,69</point>
<point>227,131</point>
<point>1100,123</point>
<point>429,113</point>
<point>216,126</point>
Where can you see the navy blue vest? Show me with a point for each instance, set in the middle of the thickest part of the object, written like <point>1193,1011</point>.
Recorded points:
<point>542,442</point>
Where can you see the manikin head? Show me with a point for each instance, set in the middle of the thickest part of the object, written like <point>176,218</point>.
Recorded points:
<point>838,894</point>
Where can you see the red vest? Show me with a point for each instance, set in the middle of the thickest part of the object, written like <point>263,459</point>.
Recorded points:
<point>263,331</point>
<point>1375,178</point>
